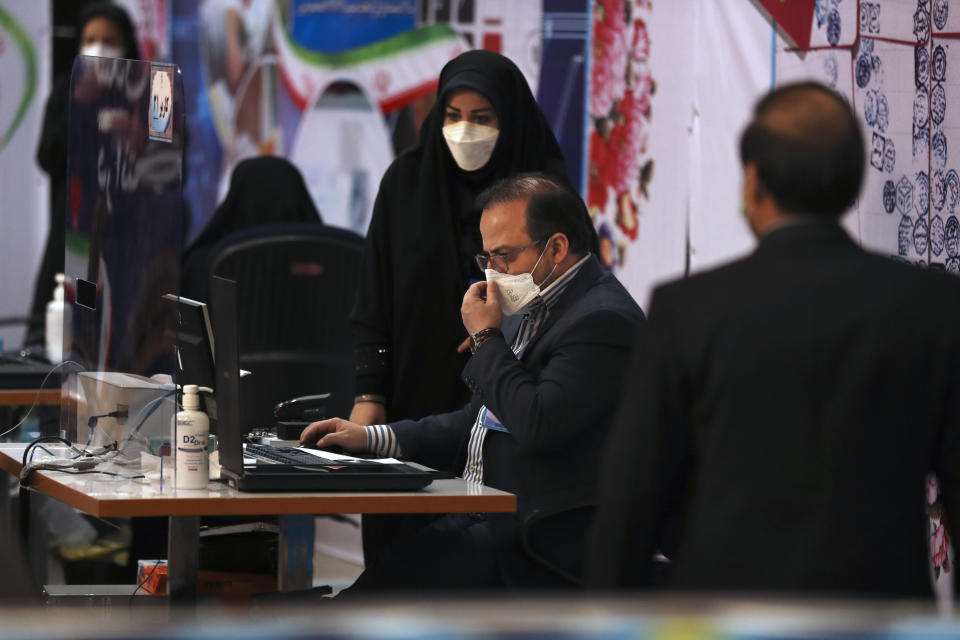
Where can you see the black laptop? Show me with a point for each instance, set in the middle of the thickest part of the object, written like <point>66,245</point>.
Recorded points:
<point>324,474</point>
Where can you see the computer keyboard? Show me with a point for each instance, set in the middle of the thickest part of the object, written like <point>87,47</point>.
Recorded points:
<point>290,455</point>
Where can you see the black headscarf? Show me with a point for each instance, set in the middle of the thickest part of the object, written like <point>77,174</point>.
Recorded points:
<point>263,190</point>
<point>424,230</point>
<point>119,17</point>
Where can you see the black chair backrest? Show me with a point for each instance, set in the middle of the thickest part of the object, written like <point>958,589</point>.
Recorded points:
<point>296,287</point>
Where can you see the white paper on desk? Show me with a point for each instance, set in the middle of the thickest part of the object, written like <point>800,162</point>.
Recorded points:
<point>329,455</point>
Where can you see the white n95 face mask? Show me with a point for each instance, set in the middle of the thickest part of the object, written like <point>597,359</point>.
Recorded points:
<point>471,145</point>
<point>101,50</point>
<point>518,290</point>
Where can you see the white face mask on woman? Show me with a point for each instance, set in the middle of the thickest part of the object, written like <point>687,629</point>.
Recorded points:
<point>471,145</point>
<point>101,50</point>
<point>518,290</point>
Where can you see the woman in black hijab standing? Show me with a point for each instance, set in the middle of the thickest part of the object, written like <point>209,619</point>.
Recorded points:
<point>424,233</point>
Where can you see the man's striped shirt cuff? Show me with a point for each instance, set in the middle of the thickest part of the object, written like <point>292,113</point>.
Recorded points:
<point>382,441</point>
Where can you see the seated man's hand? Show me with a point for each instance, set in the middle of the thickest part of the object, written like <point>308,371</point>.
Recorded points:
<point>481,307</point>
<point>366,413</point>
<point>336,432</point>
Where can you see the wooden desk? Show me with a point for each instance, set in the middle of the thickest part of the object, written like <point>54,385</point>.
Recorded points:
<point>108,497</point>
<point>26,397</point>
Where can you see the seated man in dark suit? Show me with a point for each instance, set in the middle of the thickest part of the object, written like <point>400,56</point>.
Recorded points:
<point>793,401</point>
<point>545,382</point>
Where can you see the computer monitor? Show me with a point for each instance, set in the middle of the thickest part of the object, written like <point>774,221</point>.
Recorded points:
<point>194,342</point>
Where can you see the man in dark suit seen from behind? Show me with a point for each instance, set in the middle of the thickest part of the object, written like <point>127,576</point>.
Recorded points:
<point>792,401</point>
<point>551,333</point>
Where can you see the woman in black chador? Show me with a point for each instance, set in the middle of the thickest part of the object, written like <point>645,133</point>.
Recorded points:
<point>424,233</point>
<point>263,190</point>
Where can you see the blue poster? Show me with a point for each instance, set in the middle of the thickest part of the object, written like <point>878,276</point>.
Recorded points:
<point>330,26</point>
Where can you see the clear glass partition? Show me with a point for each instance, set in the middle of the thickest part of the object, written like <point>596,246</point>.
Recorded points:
<point>124,235</point>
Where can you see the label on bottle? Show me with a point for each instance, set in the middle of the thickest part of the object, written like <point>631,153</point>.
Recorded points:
<point>192,461</point>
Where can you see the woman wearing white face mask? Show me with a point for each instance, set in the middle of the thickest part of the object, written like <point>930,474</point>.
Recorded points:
<point>106,31</point>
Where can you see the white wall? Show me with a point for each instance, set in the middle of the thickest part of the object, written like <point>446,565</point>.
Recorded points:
<point>25,34</point>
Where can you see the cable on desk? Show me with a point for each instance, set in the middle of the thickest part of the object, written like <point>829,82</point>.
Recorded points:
<point>83,461</point>
<point>26,474</point>
<point>28,456</point>
<point>92,422</point>
<point>26,452</point>
<point>156,403</point>
<point>46,451</point>
<point>79,366</point>
<point>74,467</point>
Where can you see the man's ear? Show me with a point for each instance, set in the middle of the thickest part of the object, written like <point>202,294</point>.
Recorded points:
<point>558,246</point>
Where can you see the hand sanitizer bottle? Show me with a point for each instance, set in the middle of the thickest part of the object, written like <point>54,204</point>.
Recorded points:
<point>58,329</point>
<point>192,434</point>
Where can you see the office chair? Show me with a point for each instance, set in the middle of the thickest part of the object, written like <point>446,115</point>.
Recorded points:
<point>296,285</point>
<point>552,537</point>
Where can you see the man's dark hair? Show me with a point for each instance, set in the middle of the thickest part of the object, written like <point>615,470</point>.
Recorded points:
<point>551,208</point>
<point>806,144</point>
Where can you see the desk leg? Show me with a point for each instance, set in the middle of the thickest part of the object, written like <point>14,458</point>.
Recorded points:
<point>296,553</point>
<point>183,555</point>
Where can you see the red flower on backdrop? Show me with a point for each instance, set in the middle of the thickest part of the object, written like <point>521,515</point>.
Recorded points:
<point>608,78</point>
<point>629,140</point>
<point>620,93</point>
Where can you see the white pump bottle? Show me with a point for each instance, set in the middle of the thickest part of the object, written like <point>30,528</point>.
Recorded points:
<point>192,436</point>
<point>59,324</point>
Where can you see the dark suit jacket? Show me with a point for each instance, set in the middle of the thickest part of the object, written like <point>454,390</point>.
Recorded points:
<point>788,405</point>
<point>556,402</point>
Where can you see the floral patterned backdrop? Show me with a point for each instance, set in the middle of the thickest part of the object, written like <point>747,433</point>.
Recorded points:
<point>620,170</point>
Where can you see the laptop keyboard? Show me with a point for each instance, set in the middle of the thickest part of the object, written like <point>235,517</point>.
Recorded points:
<point>288,455</point>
